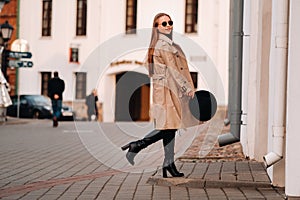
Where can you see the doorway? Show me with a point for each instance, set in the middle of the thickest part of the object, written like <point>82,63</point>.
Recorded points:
<point>132,97</point>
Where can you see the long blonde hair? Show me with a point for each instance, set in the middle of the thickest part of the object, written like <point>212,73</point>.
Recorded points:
<point>154,39</point>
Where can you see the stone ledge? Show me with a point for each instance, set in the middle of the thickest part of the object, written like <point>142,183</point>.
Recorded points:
<point>202,183</point>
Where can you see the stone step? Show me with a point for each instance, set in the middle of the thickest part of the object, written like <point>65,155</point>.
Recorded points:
<point>216,175</point>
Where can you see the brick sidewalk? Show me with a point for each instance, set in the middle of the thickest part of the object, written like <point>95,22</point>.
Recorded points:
<point>39,162</point>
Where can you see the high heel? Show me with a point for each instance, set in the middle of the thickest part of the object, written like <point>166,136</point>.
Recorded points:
<point>133,149</point>
<point>172,170</point>
<point>125,147</point>
<point>164,170</point>
<point>168,165</point>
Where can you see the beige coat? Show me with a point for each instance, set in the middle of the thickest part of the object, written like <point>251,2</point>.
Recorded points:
<point>171,83</point>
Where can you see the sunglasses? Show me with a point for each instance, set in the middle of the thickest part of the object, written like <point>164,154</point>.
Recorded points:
<point>164,24</point>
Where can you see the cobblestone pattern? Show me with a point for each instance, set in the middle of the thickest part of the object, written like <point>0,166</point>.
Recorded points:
<point>39,162</point>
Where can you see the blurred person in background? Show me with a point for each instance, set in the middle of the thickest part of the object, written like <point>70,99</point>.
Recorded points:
<point>5,100</point>
<point>92,108</point>
<point>56,87</point>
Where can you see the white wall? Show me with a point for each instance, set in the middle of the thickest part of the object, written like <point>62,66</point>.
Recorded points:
<point>52,53</point>
<point>213,36</point>
<point>251,99</point>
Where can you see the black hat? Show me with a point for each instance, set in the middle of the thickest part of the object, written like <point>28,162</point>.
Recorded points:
<point>203,106</point>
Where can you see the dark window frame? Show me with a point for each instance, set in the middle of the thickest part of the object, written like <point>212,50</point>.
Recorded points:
<point>191,16</point>
<point>81,18</point>
<point>194,76</point>
<point>131,16</point>
<point>45,77</point>
<point>80,86</point>
<point>74,55</point>
<point>47,18</point>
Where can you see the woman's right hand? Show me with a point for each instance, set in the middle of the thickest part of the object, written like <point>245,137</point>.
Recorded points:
<point>191,93</point>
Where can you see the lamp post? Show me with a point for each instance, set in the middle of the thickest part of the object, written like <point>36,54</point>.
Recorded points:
<point>6,32</point>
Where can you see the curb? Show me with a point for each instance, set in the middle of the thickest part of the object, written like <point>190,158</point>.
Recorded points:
<point>14,122</point>
<point>202,183</point>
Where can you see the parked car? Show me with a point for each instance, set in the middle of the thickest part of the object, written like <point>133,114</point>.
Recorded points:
<point>37,107</point>
<point>67,114</point>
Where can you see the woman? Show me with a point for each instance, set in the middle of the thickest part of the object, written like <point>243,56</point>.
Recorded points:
<point>91,102</point>
<point>172,88</point>
<point>5,100</point>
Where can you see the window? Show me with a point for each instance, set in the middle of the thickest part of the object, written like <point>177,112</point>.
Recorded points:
<point>191,16</point>
<point>131,9</point>
<point>80,85</point>
<point>194,76</point>
<point>74,55</point>
<point>81,17</point>
<point>47,18</point>
<point>45,78</point>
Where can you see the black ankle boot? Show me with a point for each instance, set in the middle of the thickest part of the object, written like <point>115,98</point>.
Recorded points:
<point>134,148</point>
<point>172,170</point>
<point>137,146</point>
<point>168,165</point>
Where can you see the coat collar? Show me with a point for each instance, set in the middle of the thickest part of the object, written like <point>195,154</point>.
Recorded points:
<point>165,38</point>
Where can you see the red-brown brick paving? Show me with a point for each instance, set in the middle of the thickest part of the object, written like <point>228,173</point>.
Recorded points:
<point>232,152</point>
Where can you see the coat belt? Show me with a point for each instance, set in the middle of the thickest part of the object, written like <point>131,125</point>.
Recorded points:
<point>158,76</point>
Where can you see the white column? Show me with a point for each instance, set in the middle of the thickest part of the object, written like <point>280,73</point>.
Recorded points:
<point>246,66</point>
<point>277,92</point>
<point>293,106</point>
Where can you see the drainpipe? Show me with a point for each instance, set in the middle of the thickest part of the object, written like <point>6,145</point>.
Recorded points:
<point>235,73</point>
<point>17,68</point>
<point>280,76</point>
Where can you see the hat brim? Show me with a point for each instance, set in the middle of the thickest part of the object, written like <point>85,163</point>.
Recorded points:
<point>203,106</point>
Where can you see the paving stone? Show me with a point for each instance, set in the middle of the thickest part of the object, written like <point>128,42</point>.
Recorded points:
<point>187,168</point>
<point>108,192</point>
<point>49,197</point>
<point>197,193</point>
<point>228,167</point>
<point>244,177</point>
<point>29,197</point>
<point>228,177</point>
<point>214,193</point>
<point>161,192</point>
<point>143,191</point>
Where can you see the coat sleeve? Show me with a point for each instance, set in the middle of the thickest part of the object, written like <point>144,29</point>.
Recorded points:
<point>167,56</point>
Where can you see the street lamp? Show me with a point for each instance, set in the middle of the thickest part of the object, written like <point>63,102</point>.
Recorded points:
<point>6,32</point>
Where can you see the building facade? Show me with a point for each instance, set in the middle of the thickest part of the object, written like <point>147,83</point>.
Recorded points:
<point>101,44</point>
<point>69,36</point>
